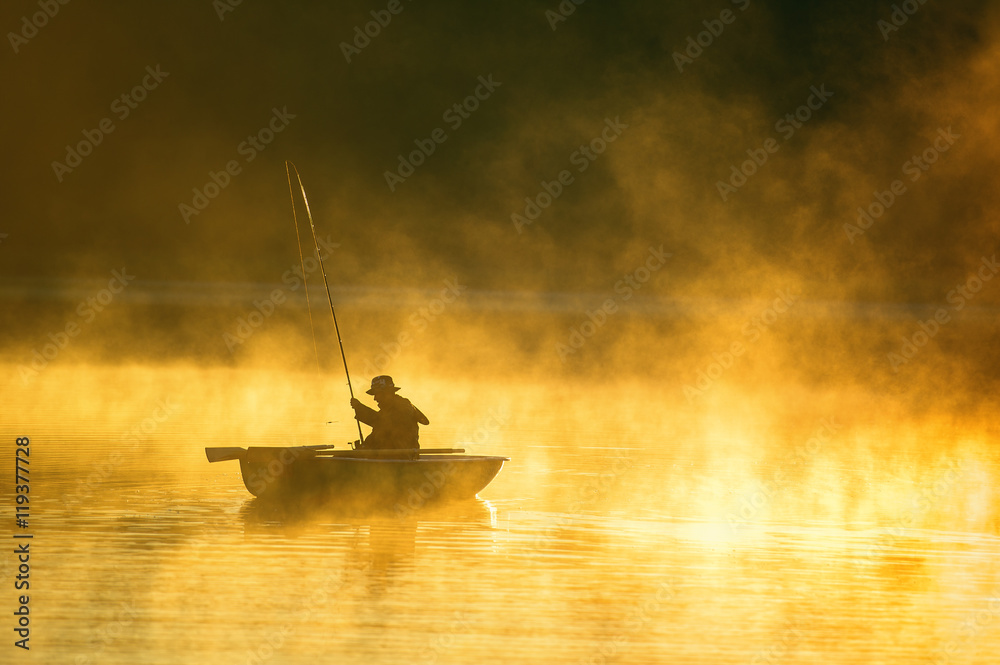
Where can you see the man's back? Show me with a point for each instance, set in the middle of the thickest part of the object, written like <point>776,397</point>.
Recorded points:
<point>394,425</point>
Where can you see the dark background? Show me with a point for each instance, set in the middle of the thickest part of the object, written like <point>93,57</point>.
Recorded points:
<point>452,219</point>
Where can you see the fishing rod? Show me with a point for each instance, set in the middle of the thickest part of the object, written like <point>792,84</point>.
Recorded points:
<point>326,283</point>
<point>302,266</point>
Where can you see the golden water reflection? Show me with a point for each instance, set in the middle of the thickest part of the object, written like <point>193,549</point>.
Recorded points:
<point>748,536</point>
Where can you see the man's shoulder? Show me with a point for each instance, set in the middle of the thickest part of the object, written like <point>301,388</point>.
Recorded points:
<point>400,402</point>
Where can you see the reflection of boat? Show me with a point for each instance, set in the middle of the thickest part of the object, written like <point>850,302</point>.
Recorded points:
<point>369,546</point>
<point>405,481</point>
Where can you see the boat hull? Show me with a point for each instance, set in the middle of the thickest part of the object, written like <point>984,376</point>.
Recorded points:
<point>294,472</point>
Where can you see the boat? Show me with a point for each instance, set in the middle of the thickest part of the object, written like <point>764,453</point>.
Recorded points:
<point>407,479</point>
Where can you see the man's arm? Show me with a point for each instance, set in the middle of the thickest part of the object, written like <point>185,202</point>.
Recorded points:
<point>365,414</point>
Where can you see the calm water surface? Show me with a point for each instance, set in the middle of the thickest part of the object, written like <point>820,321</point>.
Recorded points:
<point>622,530</point>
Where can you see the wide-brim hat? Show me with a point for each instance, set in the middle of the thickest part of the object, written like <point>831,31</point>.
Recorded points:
<point>382,383</point>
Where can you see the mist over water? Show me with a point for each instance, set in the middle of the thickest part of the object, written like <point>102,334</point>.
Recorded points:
<point>718,280</point>
<point>821,524</point>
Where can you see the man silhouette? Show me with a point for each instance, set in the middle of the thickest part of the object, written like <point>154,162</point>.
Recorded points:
<point>396,422</point>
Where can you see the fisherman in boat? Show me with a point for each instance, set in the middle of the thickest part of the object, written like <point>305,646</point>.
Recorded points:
<point>395,424</point>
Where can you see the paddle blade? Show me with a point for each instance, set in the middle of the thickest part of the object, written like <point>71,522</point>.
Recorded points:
<point>224,454</point>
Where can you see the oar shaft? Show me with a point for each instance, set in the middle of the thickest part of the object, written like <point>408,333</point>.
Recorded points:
<point>388,452</point>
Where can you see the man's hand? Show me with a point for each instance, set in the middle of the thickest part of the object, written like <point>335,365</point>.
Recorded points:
<point>356,403</point>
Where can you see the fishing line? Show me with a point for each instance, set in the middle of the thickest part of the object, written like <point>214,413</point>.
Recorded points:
<point>302,264</point>
<point>326,282</point>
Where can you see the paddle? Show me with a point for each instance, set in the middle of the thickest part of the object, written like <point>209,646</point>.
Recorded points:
<point>224,454</point>
<point>388,452</point>
<point>230,453</point>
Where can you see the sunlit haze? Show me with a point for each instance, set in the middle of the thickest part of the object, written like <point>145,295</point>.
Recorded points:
<point>717,280</point>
